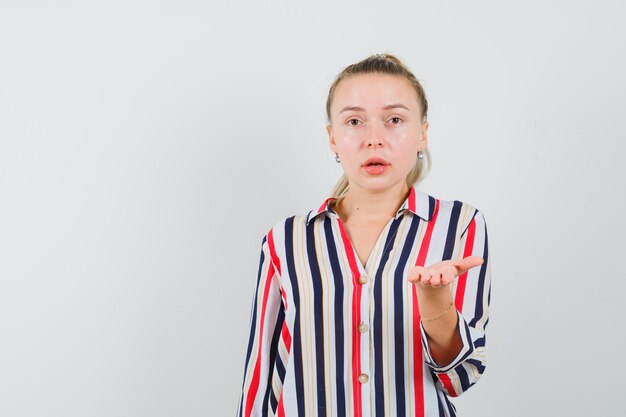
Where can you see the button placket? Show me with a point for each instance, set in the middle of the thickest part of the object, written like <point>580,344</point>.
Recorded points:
<point>363,321</point>
<point>362,330</point>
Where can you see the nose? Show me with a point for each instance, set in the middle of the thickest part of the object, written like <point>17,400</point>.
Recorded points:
<point>374,142</point>
<point>374,137</point>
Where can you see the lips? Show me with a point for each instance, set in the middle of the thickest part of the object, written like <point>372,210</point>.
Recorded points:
<point>375,161</point>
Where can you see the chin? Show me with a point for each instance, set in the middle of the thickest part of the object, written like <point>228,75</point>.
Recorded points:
<point>377,183</point>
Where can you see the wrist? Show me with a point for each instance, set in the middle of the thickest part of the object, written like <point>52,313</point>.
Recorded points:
<point>433,301</point>
<point>441,294</point>
<point>438,315</point>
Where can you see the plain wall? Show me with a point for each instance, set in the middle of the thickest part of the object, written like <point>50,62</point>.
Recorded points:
<point>146,147</point>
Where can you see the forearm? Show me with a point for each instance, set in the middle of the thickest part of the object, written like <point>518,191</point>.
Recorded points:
<point>443,337</point>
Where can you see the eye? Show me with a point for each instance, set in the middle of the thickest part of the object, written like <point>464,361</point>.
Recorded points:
<point>352,120</point>
<point>395,120</point>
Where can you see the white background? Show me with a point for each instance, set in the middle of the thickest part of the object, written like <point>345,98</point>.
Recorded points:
<point>147,146</point>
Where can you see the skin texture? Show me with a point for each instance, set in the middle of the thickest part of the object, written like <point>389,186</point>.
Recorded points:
<point>394,134</point>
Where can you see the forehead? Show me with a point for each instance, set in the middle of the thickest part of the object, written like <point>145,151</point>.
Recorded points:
<point>374,90</point>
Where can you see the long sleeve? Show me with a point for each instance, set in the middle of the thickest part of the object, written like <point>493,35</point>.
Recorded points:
<point>471,294</point>
<point>257,396</point>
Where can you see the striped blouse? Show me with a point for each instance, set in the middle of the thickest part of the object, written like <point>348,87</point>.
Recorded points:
<point>330,337</point>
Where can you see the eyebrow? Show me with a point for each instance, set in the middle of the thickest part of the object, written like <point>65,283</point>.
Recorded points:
<point>387,107</point>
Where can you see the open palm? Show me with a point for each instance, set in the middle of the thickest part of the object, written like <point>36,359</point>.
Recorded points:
<point>442,273</point>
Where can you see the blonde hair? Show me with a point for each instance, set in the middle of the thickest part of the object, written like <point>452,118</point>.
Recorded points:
<point>384,64</point>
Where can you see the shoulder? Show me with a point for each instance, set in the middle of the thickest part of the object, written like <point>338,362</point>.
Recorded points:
<point>463,213</point>
<point>285,226</point>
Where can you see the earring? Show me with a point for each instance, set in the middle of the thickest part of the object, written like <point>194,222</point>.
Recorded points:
<point>420,155</point>
<point>337,158</point>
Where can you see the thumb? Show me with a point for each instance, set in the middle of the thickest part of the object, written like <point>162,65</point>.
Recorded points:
<point>463,265</point>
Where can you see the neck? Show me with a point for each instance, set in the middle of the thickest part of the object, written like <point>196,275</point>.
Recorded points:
<point>365,205</point>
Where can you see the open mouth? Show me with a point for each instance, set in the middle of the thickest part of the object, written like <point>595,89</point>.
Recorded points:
<point>375,166</point>
<point>374,162</point>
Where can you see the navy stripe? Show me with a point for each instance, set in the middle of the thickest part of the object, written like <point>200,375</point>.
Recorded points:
<point>273,350</point>
<point>280,368</point>
<point>468,224</point>
<point>480,342</point>
<point>463,378</point>
<point>440,407</point>
<point>297,338</point>
<point>431,206</point>
<point>338,306</point>
<point>378,318</point>
<point>255,303</point>
<point>253,319</point>
<point>399,284</point>
<point>477,364</point>
<point>273,403</point>
<point>318,316</point>
<point>478,310</point>
<point>468,337</point>
<point>451,235</point>
<point>449,406</point>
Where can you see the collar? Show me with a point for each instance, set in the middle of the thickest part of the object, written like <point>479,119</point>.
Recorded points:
<point>417,202</point>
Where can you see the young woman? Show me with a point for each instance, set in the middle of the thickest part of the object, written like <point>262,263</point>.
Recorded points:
<point>374,303</point>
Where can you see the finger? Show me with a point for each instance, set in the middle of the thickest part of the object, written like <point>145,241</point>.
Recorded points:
<point>415,274</point>
<point>436,279</point>
<point>463,265</point>
<point>447,276</point>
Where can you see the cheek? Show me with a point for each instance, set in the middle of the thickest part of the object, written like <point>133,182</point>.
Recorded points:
<point>347,135</point>
<point>408,159</point>
<point>406,152</point>
<point>404,143</point>
<point>348,142</point>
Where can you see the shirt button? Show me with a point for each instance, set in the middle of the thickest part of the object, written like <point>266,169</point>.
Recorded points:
<point>362,279</point>
<point>362,327</point>
<point>363,378</point>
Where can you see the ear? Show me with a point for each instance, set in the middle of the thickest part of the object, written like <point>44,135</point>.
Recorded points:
<point>331,138</point>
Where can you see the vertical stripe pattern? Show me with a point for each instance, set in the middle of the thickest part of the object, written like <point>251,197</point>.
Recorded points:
<point>330,336</point>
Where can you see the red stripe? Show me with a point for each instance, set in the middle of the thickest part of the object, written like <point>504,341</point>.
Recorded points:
<point>324,205</point>
<point>462,279</point>
<point>286,337</point>
<point>421,258</point>
<point>356,274</point>
<point>356,348</point>
<point>356,314</point>
<point>254,385</point>
<point>275,259</point>
<point>447,383</point>
<point>418,361</point>
<point>281,407</point>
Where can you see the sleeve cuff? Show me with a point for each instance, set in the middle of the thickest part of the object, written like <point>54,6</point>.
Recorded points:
<point>466,349</point>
